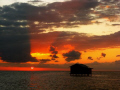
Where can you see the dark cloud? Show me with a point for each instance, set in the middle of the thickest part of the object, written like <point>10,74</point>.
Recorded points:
<point>74,12</point>
<point>15,48</point>
<point>44,60</point>
<point>108,9</point>
<point>54,56</point>
<point>18,11</point>
<point>48,16</point>
<point>117,55</point>
<point>52,49</point>
<point>12,22</point>
<point>14,34</point>
<point>103,54</point>
<point>53,53</point>
<point>90,58</point>
<point>24,11</point>
<point>14,38</point>
<point>72,55</point>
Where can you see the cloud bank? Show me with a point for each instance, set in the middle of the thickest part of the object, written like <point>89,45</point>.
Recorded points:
<point>23,25</point>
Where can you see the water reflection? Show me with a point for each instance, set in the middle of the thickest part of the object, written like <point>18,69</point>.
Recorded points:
<point>34,81</point>
<point>62,81</point>
<point>58,81</point>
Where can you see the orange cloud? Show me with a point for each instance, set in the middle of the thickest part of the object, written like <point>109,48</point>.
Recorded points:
<point>41,42</point>
<point>69,41</point>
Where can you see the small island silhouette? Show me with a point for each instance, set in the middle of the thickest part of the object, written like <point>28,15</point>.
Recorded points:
<point>80,70</point>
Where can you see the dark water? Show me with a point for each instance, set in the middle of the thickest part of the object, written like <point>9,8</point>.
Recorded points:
<point>12,80</point>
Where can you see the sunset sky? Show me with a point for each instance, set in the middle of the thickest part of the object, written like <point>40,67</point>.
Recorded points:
<point>55,34</point>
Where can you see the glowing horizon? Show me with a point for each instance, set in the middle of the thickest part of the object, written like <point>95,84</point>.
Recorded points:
<point>29,69</point>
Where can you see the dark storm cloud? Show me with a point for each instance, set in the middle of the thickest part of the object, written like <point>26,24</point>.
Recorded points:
<point>18,11</point>
<point>72,55</point>
<point>24,11</point>
<point>53,53</point>
<point>74,12</point>
<point>11,22</point>
<point>90,58</point>
<point>0,10</point>
<point>103,54</point>
<point>14,36</point>
<point>13,30</point>
<point>55,13</point>
<point>15,48</point>
<point>44,60</point>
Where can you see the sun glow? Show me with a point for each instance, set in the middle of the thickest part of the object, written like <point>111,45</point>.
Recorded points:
<point>32,68</point>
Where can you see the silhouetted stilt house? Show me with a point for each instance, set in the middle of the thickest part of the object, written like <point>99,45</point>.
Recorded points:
<point>80,70</point>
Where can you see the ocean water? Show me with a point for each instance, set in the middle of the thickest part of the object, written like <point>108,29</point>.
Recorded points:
<point>21,80</point>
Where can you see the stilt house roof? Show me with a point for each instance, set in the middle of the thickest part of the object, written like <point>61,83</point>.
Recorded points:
<point>80,65</point>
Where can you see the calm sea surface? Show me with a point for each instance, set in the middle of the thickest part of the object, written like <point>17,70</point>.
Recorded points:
<point>12,80</point>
